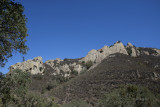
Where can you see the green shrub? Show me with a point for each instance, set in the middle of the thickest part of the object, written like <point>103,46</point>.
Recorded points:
<point>76,103</point>
<point>1,103</point>
<point>129,96</point>
<point>37,76</point>
<point>37,100</point>
<point>89,64</point>
<point>50,86</point>
<point>118,41</point>
<point>129,51</point>
<point>14,87</point>
<point>71,68</point>
<point>74,73</point>
<point>82,72</point>
<point>60,78</point>
<point>65,59</point>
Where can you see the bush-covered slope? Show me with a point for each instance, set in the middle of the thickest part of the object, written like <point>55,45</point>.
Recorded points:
<point>116,70</point>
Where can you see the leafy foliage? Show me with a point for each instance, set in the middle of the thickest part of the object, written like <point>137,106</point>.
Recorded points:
<point>14,87</point>
<point>129,51</point>
<point>149,50</point>
<point>1,103</point>
<point>129,96</point>
<point>76,103</point>
<point>73,74</point>
<point>36,100</point>
<point>14,92</point>
<point>60,78</point>
<point>89,64</point>
<point>13,31</point>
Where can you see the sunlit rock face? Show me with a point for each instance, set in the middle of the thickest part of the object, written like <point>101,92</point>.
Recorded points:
<point>34,66</point>
<point>131,49</point>
<point>67,66</point>
<point>158,52</point>
<point>98,55</point>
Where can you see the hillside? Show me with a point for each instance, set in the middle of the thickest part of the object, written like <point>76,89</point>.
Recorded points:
<point>90,77</point>
<point>117,69</point>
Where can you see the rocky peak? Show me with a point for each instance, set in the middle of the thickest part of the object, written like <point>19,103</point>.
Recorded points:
<point>131,50</point>
<point>129,45</point>
<point>67,66</point>
<point>34,66</point>
<point>118,47</point>
<point>97,56</point>
<point>158,52</point>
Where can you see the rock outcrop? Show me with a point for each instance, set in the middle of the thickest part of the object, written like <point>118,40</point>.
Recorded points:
<point>34,66</point>
<point>68,66</point>
<point>158,52</point>
<point>97,56</point>
<point>131,50</point>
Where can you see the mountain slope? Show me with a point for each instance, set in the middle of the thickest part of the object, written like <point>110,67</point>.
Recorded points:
<point>100,71</point>
<point>115,70</point>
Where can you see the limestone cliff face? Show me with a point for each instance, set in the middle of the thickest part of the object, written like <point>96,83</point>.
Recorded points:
<point>34,66</point>
<point>97,56</point>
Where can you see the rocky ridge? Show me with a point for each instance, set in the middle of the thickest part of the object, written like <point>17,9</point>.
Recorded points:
<point>66,66</point>
<point>34,66</point>
<point>98,55</point>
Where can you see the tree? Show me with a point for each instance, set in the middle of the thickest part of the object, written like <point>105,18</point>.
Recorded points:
<point>14,87</point>
<point>14,91</point>
<point>13,31</point>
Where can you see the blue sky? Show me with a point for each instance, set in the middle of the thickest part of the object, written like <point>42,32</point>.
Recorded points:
<point>71,28</point>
